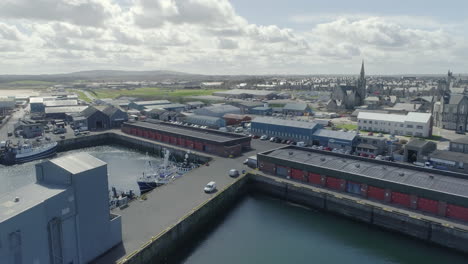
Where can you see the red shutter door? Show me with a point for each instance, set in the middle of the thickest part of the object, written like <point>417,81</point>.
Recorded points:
<point>376,193</point>
<point>165,138</point>
<point>189,144</point>
<point>401,198</point>
<point>457,212</point>
<point>173,140</point>
<point>198,146</point>
<point>428,205</point>
<point>333,183</point>
<point>297,174</point>
<point>315,178</point>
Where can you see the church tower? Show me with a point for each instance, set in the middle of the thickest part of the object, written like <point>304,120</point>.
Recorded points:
<point>361,87</point>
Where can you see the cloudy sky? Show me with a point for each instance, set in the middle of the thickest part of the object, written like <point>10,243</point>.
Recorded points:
<point>234,37</point>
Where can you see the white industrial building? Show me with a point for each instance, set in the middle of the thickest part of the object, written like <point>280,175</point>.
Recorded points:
<point>412,124</point>
<point>62,218</point>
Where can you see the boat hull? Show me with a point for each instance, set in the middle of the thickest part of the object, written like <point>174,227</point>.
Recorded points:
<point>146,186</point>
<point>11,158</point>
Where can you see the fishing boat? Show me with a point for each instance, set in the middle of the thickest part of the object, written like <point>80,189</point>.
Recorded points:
<point>26,152</point>
<point>154,176</point>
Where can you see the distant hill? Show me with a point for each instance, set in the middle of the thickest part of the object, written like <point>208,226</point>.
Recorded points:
<point>106,75</point>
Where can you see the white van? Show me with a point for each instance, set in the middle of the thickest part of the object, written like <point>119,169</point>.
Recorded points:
<point>301,144</point>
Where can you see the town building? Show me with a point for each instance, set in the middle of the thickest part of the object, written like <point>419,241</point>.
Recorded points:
<point>37,104</point>
<point>29,128</point>
<point>334,139</point>
<point>436,192</point>
<point>451,107</point>
<point>459,145</point>
<point>261,110</point>
<point>218,110</point>
<point>116,115</point>
<point>412,124</point>
<point>209,121</point>
<point>349,96</point>
<point>371,145</point>
<point>194,104</point>
<point>449,160</point>
<point>205,140</point>
<point>284,129</point>
<point>246,107</point>
<point>245,93</point>
<point>62,218</point>
<point>141,105</point>
<point>297,109</point>
<point>234,119</point>
<point>7,104</point>
<point>96,119</point>
<point>61,112</point>
<point>417,150</point>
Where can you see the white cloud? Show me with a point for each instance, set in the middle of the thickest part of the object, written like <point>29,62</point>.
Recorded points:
<point>208,36</point>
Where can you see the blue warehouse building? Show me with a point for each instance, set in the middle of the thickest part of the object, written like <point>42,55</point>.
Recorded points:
<point>62,218</point>
<point>334,139</point>
<point>284,129</point>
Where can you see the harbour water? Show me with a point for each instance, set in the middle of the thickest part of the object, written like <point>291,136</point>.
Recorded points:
<point>261,229</point>
<point>123,164</point>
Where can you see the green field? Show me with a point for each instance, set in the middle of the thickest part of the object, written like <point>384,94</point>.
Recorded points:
<point>30,82</point>
<point>152,93</point>
<point>347,126</point>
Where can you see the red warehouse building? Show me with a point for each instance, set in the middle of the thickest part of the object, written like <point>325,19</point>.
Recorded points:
<point>431,191</point>
<point>205,140</point>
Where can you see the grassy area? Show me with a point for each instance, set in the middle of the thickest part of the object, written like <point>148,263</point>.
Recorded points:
<point>30,83</point>
<point>152,93</point>
<point>347,126</point>
<point>81,95</point>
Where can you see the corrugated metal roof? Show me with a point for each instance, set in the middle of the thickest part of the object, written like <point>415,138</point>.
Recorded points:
<point>78,162</point>
<point>335,134</point>
<point>284,122</point>
<point>413,177</point>
<point>65,109</point>
<point>295,107</point>
<point>410,117</point>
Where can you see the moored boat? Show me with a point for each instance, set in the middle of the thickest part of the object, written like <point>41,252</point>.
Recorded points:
<point>26,152</point>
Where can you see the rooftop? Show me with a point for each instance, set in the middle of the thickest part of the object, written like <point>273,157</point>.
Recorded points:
<point>449,156</point>
<point>155,102</point>
<point>295,106</point>
<point>335,134</point>
<point>384,171</point>
<point>410,117</point>
<point>29,196</point>
<point>461,140</point>
<point>60,103</point>
<point>199,133</point>
<point>78,162</point>
<point>65,109</point>
<point>284,122</point>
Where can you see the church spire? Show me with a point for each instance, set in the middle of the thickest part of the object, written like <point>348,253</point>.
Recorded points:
<point>362,70</point>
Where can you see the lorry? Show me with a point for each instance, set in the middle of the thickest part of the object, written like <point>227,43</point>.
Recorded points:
<point>251,161</point>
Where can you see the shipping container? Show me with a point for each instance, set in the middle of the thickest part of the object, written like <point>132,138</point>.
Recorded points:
<point>139,132</point>
<point>145,134</point>
<point>297,174</point>
<point>281,171</point>
<point>165,138</point>
<point>375,193</point>
<point>315,178</point>
<point>401,199</point>
<point>353,187</point>
<point>428,205</point>
<point>333,183</point>
<point>173,140</point>
<point>457,212</point>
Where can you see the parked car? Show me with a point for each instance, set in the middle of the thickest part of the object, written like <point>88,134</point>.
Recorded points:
<point>264,137</point>
<point>239,130</point>
<point>10,134</point>
<point>234,173</point>
<point>301,144</point>
<point>62,136</point>
<point>255,137</point>
<point>284,141</point>
<point>77,132</point>
<point>210,187</point>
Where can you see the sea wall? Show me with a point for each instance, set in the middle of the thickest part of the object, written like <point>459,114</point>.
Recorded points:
<point>110,138</point>
<point>440,233</point>
<point>176,237</point>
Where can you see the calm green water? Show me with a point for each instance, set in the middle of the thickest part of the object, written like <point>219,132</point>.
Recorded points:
<point>265,230</point>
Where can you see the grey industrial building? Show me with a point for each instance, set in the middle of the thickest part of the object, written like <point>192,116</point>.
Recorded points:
<point>371,145</point>
<point>96,119</point>
<point>217,110</point>
<point>459,145</point>
<point>116,116</point>
<point>62,218</point>
<point>209,121</point>
<point>29,128</point>
<point>140,105</point>
<point>417,150</point>
<point>297,109</point>
<point>334,139</point>
<point>61,112</point>
<point>284,129</point>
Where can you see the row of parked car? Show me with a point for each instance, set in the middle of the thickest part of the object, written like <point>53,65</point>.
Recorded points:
<point>282,141</point>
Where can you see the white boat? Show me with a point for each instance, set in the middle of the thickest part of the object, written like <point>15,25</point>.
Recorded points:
<point>26,152</point>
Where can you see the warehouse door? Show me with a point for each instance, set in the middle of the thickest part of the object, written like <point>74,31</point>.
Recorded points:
<point>281,171</point>
<point>55,241</point>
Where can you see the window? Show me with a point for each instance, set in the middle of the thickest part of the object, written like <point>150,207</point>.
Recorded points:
<point>370,122</point>
<point>365,121</point>
<point>409,126</point>
<point>419,134</point>
<point>419,127</point>
<point>401,125</point>
<point>374,141</point>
